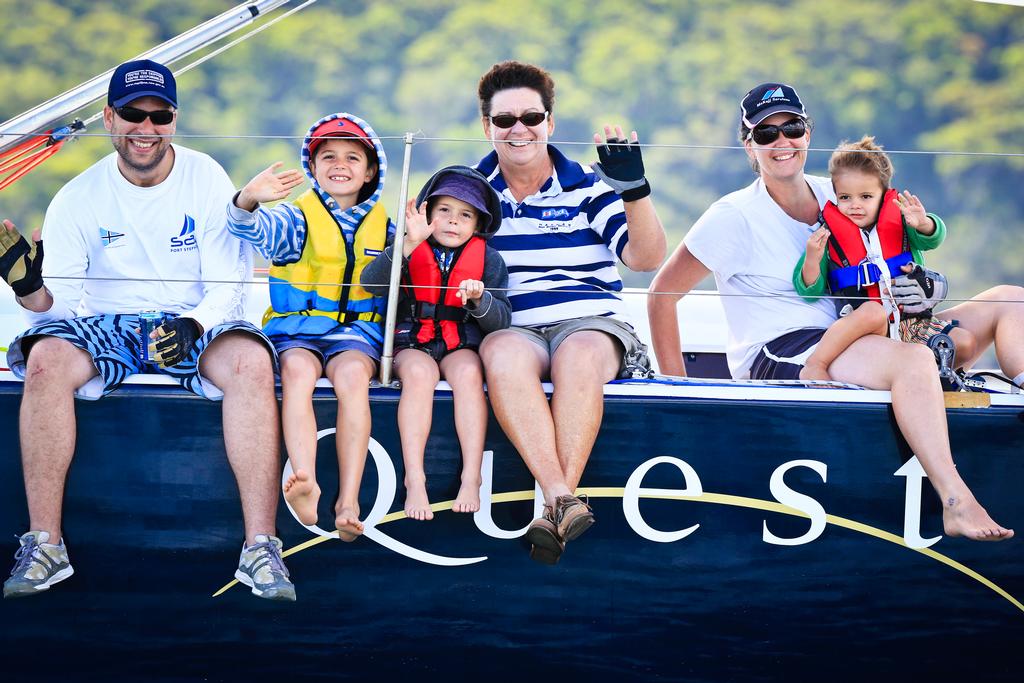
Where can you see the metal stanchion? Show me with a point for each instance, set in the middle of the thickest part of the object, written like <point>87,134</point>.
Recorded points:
<point>387,357</point>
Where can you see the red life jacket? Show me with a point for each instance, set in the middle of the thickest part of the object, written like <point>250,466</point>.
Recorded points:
<point>437,315</point>
<point>849,274</point>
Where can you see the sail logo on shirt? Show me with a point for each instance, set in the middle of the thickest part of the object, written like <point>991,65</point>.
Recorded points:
<point>548,214</point>
<point>186,239</point>
<point>109,237</point>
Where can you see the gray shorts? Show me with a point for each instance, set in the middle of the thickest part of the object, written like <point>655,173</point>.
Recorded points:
<point>635,363</point>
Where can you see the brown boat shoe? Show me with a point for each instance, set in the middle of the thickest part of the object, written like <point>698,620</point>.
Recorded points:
<point>573,516</point>
<point>546,546</point>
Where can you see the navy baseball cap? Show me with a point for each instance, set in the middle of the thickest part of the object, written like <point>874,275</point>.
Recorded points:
<point>141,78</point>
<point>767,99</point>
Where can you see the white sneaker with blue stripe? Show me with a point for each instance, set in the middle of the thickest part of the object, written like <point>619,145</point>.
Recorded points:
<point>261,568</point>
<point>38,565</point>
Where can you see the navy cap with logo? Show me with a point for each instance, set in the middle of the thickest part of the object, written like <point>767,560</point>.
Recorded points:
<point>767,99</point>
<point>141,78</point>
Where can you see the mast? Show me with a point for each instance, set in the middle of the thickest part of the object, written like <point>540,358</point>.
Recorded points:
<point>62,106</point>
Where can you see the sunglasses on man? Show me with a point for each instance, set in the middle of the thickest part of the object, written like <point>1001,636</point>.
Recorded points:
<point>160,117</point>
<point>530,118</point>
<point>767,134</point>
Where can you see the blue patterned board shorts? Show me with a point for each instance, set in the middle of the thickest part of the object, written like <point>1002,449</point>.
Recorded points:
<point>113,342</point>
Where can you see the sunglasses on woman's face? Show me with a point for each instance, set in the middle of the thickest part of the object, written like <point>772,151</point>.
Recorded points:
<point>530,118</point>
<point>765,134</point>
<point>160,117</point>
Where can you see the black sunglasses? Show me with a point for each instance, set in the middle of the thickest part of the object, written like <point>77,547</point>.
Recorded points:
<point>530,118</point>
<point>160,117</point>
<point>792,129</point>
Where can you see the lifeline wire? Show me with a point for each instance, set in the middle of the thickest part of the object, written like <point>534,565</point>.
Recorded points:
<point>419,139</point>
<point>698,292</point>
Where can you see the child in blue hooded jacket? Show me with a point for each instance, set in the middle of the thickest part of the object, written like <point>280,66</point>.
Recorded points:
<point>320,320</point>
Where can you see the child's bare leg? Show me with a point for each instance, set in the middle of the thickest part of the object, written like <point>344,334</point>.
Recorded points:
<point>463,370</point>
<point>868,318</point>
<point>300,370</point>
<point>419,375</point>
<point>350,373</point>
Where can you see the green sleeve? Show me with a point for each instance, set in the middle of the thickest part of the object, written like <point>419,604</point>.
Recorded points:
<point>920,243</point>
<point>817,288</point>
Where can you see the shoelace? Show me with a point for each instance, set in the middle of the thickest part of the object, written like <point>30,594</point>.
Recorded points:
<point>560,510</point>
<point>23,556</point>
<point>273,556</point>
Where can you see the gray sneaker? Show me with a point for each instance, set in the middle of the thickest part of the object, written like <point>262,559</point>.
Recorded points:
<point>38,565</point>
<point>261,568</point>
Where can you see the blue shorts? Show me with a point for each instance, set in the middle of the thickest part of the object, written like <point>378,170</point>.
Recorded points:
<point>113,343</point>
<point>784,357</point>
<point>323,336</point>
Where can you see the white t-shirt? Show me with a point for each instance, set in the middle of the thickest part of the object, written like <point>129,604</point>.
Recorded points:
<point>114,247</point>
<point>752,246</point>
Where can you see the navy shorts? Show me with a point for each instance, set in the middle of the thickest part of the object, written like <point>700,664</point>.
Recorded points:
<point>113,342</point>
<point>784,357</point>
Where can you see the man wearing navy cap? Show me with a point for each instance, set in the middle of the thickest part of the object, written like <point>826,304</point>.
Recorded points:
<point>152,212</point>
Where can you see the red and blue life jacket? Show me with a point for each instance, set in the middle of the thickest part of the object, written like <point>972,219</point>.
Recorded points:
<point>850,273</point>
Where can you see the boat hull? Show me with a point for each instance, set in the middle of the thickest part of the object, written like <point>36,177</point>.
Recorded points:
<point>153,526</point>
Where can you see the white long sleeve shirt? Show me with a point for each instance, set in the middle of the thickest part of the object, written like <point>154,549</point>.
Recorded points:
<point>114,247</point>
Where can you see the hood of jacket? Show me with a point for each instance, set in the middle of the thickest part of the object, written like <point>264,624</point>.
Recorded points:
<point>371,192</point>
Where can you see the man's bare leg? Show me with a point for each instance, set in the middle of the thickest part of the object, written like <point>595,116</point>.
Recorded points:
<point>55,369</point>
<point>463,370</point>
<point>239,364</point>
<point>350,373</point>
<point>419,374</point>
<point>995,317</point>
<point>583,363</point>
<point>300,369</point>
<point>514,366</point>
<point>908,371</point>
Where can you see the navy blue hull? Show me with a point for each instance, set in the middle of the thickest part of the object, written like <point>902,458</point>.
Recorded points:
<point>153,527</point>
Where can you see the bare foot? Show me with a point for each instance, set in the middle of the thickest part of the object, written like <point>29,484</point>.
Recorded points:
<point>302,493</point>
<point>813,371</point>
<point>468,499</point>
<point>348,524</point>
<point>967,518</point>
<point>417,505</point>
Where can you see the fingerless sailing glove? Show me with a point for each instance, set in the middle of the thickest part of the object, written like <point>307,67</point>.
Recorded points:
<point>622,167</point>
<point>21,263</point>
<point>174,341</point>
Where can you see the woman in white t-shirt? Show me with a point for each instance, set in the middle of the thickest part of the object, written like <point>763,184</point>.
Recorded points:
<point>750,239</point>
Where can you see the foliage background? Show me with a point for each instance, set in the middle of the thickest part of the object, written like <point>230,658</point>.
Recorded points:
<point>933,77</point>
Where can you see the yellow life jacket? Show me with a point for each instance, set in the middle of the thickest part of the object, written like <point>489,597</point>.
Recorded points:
<point>313,284</point>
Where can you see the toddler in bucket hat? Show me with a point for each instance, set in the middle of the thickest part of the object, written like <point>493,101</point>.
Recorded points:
<point>454,292</point>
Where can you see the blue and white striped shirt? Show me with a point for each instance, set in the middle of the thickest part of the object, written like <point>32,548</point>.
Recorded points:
<point>560,245</point>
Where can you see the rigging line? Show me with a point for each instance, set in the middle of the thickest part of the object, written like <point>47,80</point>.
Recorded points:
<point>225,47</point>
<point>696,292</point>
<point>23,158</point>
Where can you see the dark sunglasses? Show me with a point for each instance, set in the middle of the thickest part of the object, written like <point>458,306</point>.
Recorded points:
<point>530,118</point>
<point>792,129</point>
<point>160,117</point>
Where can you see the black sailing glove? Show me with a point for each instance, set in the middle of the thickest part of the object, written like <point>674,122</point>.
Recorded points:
<point>622,167</point>
<point>174,341</point>
<point>21,264</point>
<point>920,290</point>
